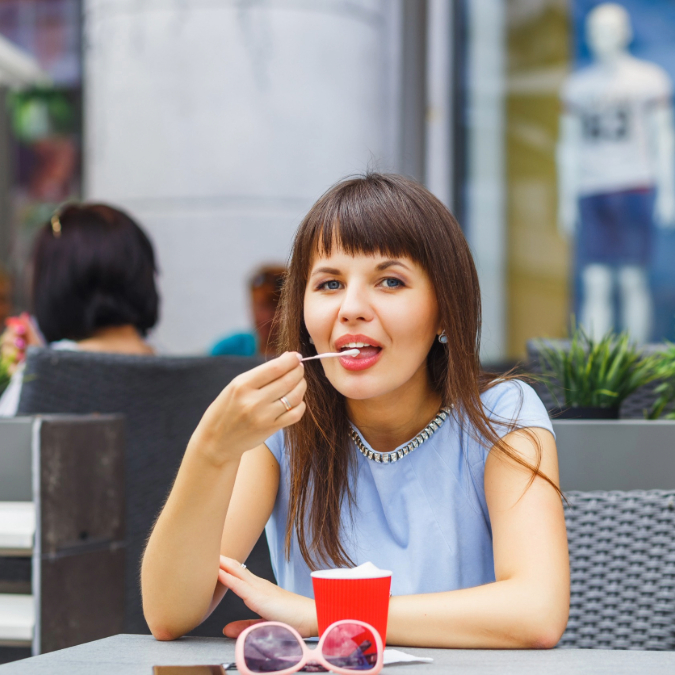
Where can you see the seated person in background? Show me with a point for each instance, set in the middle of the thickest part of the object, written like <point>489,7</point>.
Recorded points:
<point>265,286</point>
<point>93,289</point>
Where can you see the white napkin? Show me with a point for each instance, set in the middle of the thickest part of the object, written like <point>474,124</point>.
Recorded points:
<point>393,656</point>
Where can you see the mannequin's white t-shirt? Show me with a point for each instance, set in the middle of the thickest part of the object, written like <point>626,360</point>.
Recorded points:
<point>614,103</point>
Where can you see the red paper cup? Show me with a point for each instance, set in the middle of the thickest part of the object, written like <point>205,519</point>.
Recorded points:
<point>362,599</point>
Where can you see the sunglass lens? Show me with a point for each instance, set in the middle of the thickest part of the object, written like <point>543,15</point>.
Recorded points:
<point>350,646</point>
<point>269,649</point>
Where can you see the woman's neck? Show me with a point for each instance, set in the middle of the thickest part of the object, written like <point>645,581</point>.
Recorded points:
<point>116,339</point>
<point>388,421</point>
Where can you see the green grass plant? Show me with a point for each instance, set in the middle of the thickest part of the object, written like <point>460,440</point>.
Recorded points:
<point>594,373</point>
<point>663,364</point>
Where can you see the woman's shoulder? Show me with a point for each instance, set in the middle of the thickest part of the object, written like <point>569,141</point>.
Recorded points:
<point>499,392</point>
<point>513,404</point>
<point>276,444</point>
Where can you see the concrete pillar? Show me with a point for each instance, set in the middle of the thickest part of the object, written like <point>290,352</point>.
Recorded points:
<point>485,210</point>
<point>218,123</point>
<point>438,118</point>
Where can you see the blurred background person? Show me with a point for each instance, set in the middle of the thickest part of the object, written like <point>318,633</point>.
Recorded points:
<point>265,291</point>
<point>93,289</point>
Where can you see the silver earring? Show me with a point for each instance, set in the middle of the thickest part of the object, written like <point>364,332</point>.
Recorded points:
<point>443,338</point>
<point>311,342</point>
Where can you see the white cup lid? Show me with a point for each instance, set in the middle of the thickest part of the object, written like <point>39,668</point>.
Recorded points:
<point>365,571</point>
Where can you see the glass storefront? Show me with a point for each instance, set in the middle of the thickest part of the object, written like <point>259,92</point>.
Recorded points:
<point>569,196</point>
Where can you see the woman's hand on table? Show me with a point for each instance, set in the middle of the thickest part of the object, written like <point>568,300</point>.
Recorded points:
<point>268,600</point>
<point>250,410</point>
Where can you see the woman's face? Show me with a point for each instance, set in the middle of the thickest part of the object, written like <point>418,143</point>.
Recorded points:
<point>384,306</point>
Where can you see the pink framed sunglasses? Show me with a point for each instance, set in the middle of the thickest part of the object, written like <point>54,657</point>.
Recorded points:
<point>345,647</point>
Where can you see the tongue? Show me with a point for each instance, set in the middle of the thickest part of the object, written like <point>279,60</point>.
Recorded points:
<point>365,352</point>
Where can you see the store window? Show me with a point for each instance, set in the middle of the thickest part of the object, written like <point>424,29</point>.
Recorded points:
<point>569,195</point>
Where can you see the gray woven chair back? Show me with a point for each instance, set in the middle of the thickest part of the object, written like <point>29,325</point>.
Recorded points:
<point>622,555</point>
<point>632,408</point>
<point>163,399</point>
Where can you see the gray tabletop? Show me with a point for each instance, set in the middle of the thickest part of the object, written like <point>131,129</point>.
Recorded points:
<point>136,654</point>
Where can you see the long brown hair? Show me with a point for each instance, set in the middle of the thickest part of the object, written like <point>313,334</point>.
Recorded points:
<point>394,216</point>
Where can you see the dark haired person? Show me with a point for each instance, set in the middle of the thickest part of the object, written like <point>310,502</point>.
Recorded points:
<point>93,289</point>
<point>265,288</point>
<point>405,455</point>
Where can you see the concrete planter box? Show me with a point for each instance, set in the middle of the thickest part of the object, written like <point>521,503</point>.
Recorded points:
<point>62,517</point>
<point>616,455</point>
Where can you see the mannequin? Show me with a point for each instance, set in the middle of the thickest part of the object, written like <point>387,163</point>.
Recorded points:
<point>616,173</point>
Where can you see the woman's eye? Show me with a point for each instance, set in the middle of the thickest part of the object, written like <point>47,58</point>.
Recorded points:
<point>331,285</point>
<point>391,282</point>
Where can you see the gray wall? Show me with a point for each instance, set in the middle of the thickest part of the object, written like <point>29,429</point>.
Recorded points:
<point>219,123</point>
<point>617,455</point>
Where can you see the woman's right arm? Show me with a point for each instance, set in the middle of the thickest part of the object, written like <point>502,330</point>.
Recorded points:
<point>179,574</point>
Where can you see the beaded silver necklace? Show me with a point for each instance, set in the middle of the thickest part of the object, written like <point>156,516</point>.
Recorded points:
<point>391,457</point>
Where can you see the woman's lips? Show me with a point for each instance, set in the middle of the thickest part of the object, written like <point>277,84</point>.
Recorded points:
<point>367,357</point>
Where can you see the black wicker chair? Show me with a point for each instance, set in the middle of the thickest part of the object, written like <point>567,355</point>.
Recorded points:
<point>632,408</point>
<point>622,555</point>
<point>163,399</point>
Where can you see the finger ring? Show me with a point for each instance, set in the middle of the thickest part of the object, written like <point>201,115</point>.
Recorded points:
<point>243,565</point>
<point>286,404</point>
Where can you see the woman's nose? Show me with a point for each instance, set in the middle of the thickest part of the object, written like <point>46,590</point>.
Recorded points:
<point>355,306</point>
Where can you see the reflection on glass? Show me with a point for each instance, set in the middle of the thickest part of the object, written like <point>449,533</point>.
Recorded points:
<point>269,649</point>
<point>350,646</point>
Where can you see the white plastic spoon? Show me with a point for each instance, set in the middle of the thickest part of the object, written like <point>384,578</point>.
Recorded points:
<point>329,355</point>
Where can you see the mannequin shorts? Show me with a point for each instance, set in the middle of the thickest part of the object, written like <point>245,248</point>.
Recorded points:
<point>616,228</point>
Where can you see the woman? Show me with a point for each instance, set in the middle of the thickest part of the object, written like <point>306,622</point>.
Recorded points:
<point>470,522</point>
<point>93,289</point>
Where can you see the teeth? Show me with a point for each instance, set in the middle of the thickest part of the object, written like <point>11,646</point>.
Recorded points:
<point>356,345</point>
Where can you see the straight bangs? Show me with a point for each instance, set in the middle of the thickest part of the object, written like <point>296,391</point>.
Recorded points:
<point>367,231</point>
<point>364,219</point>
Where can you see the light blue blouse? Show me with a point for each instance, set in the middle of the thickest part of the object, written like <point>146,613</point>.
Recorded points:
<point>424,517</point>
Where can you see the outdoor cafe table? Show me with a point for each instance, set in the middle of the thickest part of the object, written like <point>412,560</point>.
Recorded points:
<point>136,654</point>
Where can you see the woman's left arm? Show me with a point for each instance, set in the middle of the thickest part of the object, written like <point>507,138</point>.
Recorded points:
<point>528,604</point>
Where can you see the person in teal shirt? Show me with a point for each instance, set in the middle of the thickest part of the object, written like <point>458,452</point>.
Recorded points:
<point>265,288</point>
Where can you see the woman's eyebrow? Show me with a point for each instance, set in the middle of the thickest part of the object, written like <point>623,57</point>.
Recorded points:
<point>326,270</point>
<point>390,263</point>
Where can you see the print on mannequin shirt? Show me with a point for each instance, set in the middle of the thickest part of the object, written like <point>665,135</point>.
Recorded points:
<point>611,124</point>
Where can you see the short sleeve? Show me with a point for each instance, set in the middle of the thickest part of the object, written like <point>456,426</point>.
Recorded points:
<point>515,404</point>
<point>660,86</point>
<point>276,444</point>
